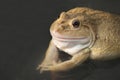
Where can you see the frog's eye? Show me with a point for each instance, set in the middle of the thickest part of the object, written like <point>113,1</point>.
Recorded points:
<point>76,23</point>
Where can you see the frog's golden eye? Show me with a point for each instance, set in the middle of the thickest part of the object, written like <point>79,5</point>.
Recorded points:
<point>75,23</point>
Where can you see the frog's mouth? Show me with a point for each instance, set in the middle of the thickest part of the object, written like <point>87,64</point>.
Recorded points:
<point>62,38</point>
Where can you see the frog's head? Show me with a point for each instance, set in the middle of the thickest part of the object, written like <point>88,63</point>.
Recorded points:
<point>75,25</point>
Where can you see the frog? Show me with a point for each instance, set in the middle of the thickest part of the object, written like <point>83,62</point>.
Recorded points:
<point>83,33</point>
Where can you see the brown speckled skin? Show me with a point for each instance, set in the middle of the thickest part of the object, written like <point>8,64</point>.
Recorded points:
<point>102,27</point>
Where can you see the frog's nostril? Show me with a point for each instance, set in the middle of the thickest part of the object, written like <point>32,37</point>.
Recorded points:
<point>62,22</point>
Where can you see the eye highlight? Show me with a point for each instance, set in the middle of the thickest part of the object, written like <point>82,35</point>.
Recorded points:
<point>76,23</point>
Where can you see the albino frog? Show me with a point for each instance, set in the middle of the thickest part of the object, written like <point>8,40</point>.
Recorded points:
<point>84,34</point>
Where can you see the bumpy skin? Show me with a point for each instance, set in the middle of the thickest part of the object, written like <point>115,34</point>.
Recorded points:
<point>102,29</point>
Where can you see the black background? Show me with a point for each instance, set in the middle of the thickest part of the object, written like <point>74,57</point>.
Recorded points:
<point>24,36</point>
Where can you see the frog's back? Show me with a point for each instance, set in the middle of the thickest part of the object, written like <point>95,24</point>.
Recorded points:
<point>107,45</point>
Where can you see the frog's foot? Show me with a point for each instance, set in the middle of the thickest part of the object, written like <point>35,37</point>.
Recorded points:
<point>43,67</point>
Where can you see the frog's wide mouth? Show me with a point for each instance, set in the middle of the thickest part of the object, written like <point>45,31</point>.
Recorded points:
<point>63,38</point>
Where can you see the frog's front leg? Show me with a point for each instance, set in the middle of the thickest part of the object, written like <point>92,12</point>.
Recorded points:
<point>51,57</point>
<point>73,62</point>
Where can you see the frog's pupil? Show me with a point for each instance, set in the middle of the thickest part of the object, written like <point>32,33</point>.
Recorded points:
<point>76,24</point>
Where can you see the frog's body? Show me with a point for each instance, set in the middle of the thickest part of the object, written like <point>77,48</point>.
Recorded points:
<point>82,33</point>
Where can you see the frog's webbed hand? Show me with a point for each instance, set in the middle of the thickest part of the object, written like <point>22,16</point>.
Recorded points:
<point>73,62</point>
